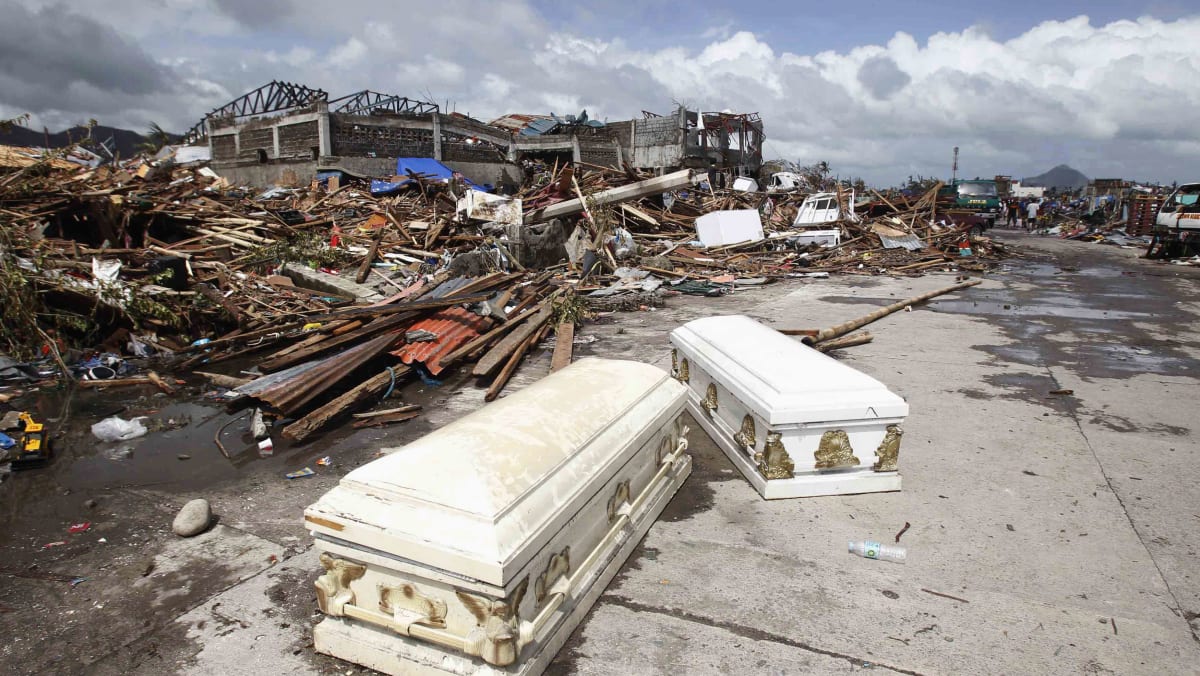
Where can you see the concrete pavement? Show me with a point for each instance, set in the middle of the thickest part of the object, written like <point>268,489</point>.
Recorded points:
<point>1063,524</point>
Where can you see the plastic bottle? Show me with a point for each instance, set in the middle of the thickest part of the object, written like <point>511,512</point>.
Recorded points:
<point>874,550</point>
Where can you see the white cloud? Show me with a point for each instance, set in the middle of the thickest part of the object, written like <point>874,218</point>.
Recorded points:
<point>348,54</point>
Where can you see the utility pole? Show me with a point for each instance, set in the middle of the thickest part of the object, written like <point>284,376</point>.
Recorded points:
<point>954,171</point>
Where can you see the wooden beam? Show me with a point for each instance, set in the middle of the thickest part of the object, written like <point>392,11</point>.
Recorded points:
<point>564,337</point>
<point>510,343</point>
<point>318,418</point>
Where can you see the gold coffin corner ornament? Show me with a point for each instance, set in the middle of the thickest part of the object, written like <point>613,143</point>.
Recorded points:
<point>406,599</point>
<point>709,402</point>
<point>834,451</point>
<point>681,372</point>
<point>333,588</point>
<point>888,453</point>
<point>775,463</point>
<point>500,621</point>
<point>745,436</point>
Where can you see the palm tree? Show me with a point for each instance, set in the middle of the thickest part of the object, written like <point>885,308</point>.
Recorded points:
<point>156,138</point>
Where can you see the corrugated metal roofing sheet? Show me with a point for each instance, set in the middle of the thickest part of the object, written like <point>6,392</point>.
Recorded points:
<point>910,242</point>
<point>453,327</point>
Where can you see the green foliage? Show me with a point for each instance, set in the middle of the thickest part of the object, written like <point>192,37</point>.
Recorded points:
<point>569,308</point>
<point>308,248</point>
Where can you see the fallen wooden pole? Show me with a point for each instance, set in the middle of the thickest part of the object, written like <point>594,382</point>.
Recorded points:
<point>625,193</point>
<point>845,341</point>
<point>854,324</point>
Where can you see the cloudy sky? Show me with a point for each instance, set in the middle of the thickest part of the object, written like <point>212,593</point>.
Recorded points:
<point>880,90</point>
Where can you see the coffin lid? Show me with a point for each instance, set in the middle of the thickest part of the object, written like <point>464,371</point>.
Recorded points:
<point>780,378</point>
<point>477,497</point>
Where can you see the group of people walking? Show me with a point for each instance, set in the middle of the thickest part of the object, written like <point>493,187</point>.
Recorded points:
<point>1022,213</point>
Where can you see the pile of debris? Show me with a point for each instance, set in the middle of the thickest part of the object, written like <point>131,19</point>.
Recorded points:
<point>329,293</point>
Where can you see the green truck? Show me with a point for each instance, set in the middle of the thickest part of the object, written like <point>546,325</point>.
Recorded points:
<point>976,202</point>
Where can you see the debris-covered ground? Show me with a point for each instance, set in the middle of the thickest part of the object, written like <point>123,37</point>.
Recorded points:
<point>1048,484</point>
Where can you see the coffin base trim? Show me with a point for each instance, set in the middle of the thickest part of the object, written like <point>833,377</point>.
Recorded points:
<point>862,480</point>
<point>391,653</point>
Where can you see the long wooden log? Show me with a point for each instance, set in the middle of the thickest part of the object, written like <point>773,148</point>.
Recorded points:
<point>625,193</point>
<point>318,418</point>
<point>845,341</point>
<point>846,327</point>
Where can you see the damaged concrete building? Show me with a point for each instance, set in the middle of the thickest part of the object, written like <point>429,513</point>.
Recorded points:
<point>285,133</point>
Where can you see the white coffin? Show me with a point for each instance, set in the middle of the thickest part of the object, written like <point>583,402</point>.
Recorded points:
<point>478,548</point>
<point>795,422</point>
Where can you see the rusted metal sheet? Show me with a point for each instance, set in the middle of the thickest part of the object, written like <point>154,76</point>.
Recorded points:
<point>290,390</point>
<point>453,327</point>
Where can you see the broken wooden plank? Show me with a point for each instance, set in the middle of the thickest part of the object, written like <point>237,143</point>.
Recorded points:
<point>510,343</point>
<point>514,359</point>
<point>318,418</point>
<point>564,337</point>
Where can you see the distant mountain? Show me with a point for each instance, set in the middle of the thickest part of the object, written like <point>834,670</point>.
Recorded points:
<point>1061,177</point>
<point>123,142</point>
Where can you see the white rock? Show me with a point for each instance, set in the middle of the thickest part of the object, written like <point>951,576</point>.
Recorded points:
<point>193,519</point>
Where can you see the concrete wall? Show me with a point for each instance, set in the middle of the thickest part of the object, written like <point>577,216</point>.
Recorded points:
<point>493,173</point>
<point>658,142</point>
<point>303,171</point>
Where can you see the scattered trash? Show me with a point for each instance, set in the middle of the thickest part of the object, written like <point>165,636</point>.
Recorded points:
<point>183,456</point>
<point>266,448</point>
<point>1063,392</point>
<point>870,549</point>
<point>57,543</point>
<point>325,462</point>
<point>80,527</point>
<point>904,530</point>
<point>75,582</point>
<point>117,429</point>
<point>307,471</point>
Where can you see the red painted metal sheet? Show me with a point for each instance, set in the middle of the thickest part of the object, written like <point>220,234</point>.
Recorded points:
<point>454,327</point>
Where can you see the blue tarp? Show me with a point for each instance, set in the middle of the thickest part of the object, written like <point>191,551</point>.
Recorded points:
<point>428,167</point>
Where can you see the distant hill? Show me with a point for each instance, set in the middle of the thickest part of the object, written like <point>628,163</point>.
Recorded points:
<point>124,142</point>
<point>1061,177</point>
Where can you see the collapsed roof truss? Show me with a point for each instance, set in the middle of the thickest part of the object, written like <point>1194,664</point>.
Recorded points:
<point>366,101</point>
<point>272,97</point>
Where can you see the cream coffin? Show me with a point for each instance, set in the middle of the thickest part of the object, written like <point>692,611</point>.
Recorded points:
<point>795,422</point>
<point>477,549</point>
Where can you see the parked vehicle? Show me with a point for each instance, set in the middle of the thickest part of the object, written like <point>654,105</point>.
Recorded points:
<point>975,201</point>
<point>1177,225</point>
